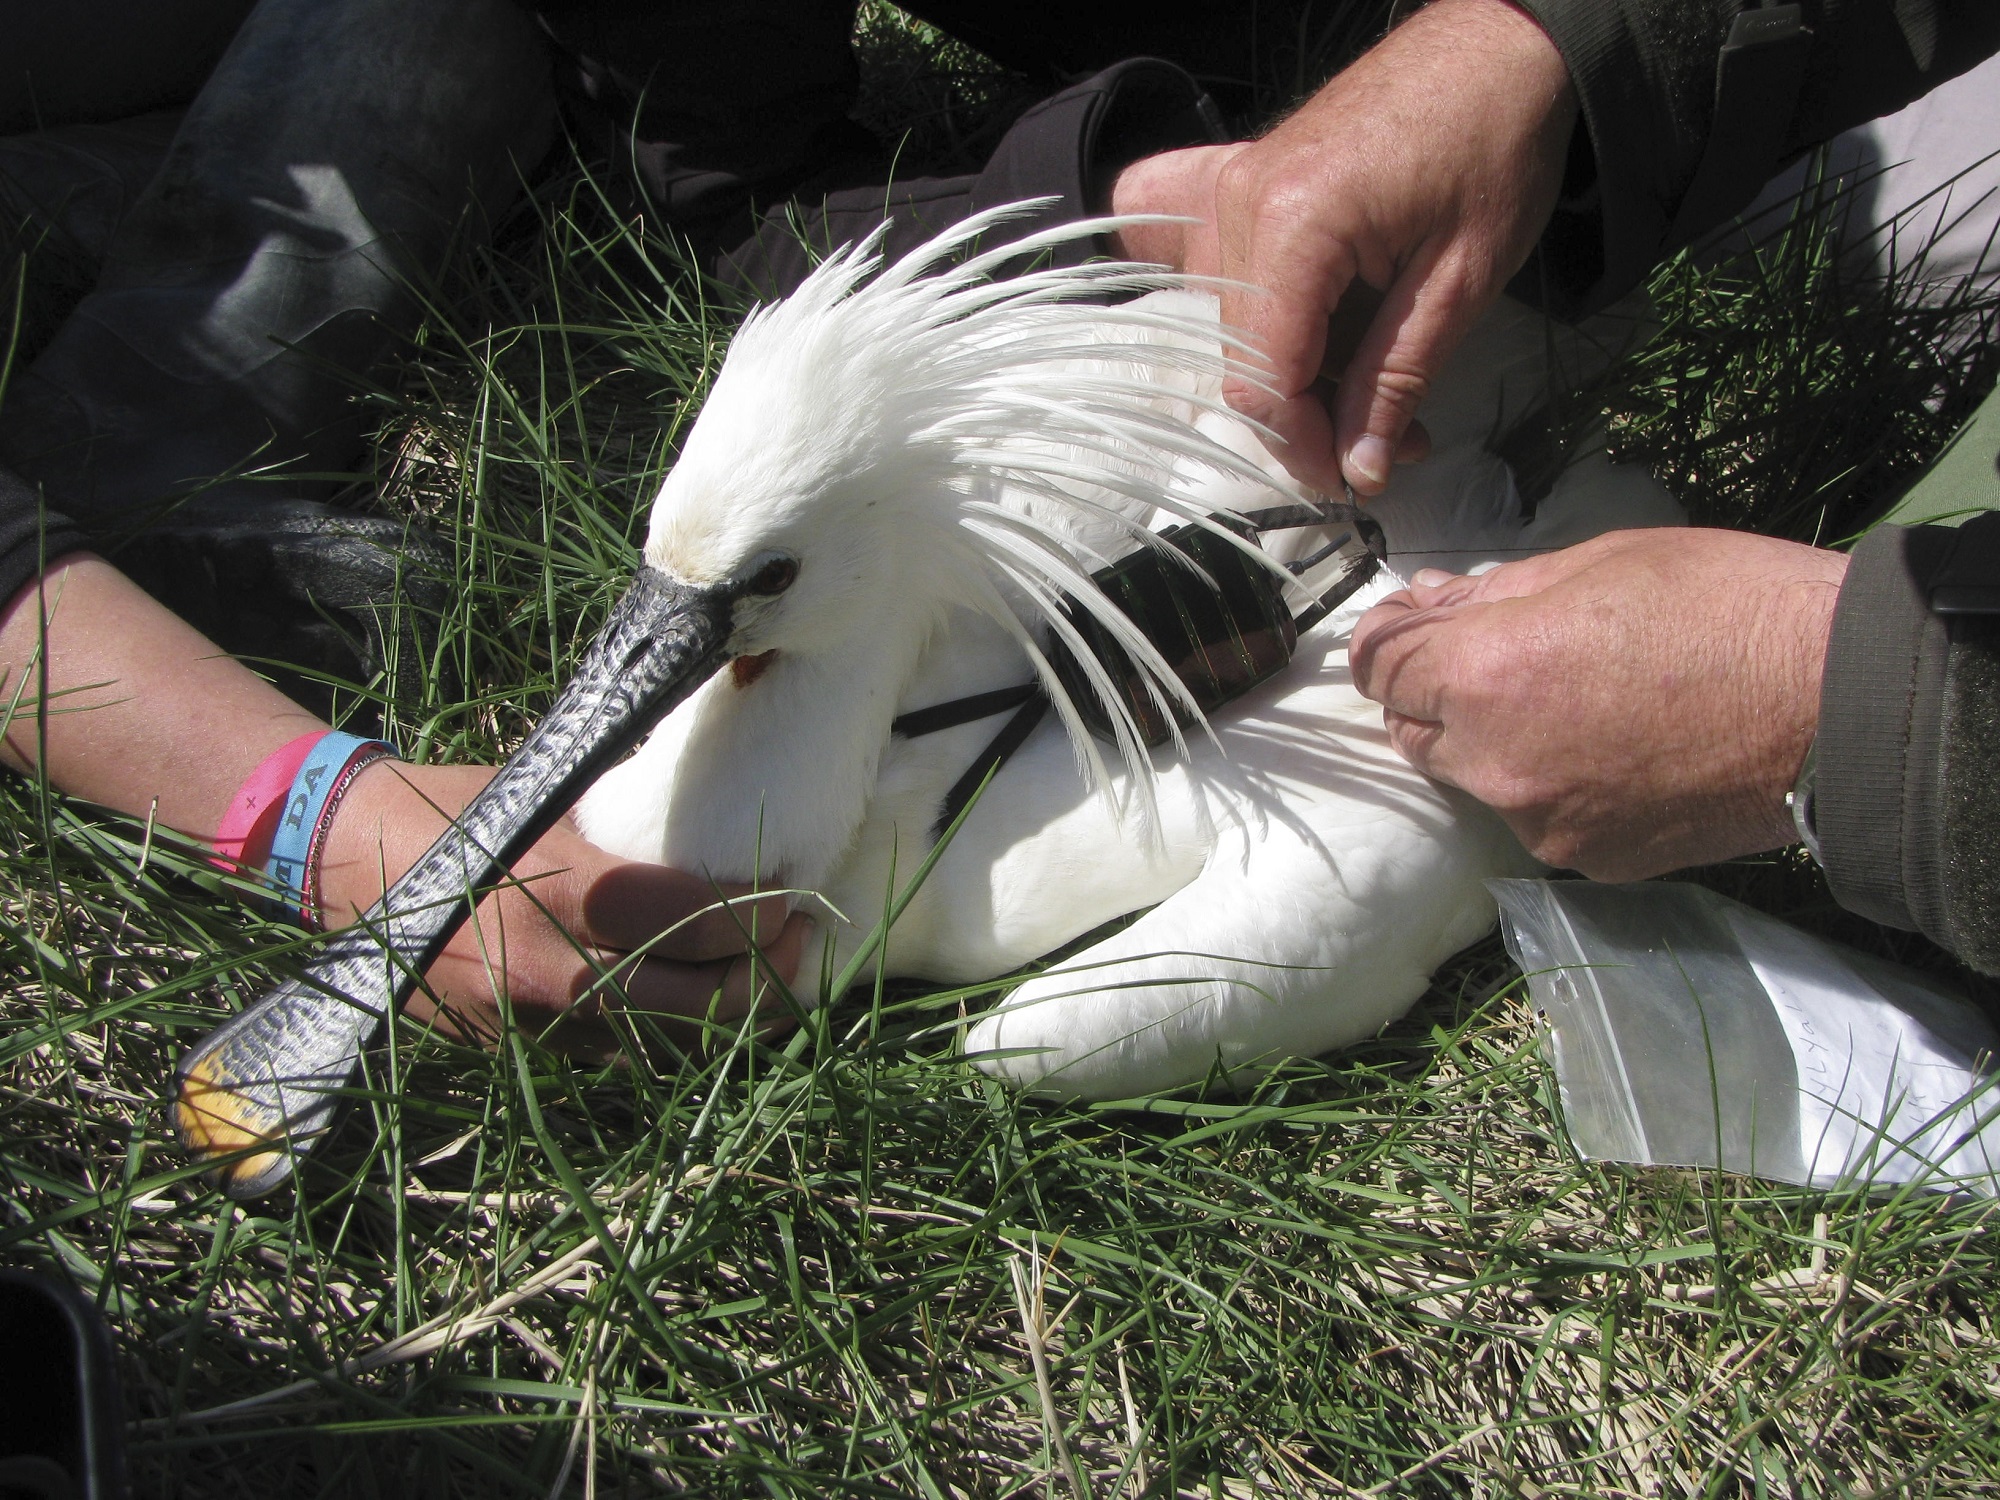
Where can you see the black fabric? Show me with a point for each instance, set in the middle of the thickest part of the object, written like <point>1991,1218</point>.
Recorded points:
<point>324,167</point>
<point>66,62</point>
<point>73,185</point>
<point>1649,76</point>
<point>1967,914</point>
<point>1235,52</point>
<point>29,536</point>
<point>706,106</point>
<point>1067,149</point>
<point>1012,736</point>
<point>1967,582</point>
<point>1758,74</point>
<point>1907,803</point>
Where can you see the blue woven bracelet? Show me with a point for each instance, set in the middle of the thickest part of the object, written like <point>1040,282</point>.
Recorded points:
<point>320,774</point>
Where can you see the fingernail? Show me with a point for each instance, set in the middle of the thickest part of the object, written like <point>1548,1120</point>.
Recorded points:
<point>1370,459</point>
<point>1430,578</point>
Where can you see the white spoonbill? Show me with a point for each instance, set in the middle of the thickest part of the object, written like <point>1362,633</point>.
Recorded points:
<point>939,461</point>
<point>897,485</point>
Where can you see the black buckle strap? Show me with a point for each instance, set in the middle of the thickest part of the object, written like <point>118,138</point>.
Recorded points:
<point>923,721</point>
<point>1012,736</point>
<point>1363,548</point>
<point>1032,703</point>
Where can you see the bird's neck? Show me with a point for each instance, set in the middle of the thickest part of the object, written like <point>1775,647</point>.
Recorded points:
<point>781,753</point>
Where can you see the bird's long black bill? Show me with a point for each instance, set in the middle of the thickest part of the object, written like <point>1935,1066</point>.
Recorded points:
<point>260,1088</point>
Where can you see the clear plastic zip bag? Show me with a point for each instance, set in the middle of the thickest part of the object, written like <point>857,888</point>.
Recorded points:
<point>1689,1030</point>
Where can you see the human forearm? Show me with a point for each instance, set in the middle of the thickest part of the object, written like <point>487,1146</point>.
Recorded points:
<point>145,715</point>
<point>148,717</point>
<point>29,533</point>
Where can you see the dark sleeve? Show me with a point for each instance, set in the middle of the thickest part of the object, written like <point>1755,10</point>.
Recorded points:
<point>1688,106</point>
<point>29,536</point>
<point>1907,803</point>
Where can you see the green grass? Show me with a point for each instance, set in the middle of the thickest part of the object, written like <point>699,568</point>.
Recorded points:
<point>840,1263</point>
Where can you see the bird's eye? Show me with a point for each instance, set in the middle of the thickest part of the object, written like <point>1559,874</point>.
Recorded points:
<point>774,577</point>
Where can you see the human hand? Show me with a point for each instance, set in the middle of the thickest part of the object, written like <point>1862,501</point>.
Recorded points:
<point>1632,705</point>
<point>1425,171</point>
<point>571,912</point>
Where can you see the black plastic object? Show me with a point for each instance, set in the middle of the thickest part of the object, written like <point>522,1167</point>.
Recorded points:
<point>1221,641</point>
<point>61,1434</point>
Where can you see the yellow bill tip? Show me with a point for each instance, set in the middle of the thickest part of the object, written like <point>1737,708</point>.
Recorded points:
<point>221,1126</point>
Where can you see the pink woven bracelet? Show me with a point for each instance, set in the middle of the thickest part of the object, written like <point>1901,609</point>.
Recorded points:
<point>244,837</point>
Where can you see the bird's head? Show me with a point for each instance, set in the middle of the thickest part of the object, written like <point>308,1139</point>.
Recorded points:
<point>801,488</point>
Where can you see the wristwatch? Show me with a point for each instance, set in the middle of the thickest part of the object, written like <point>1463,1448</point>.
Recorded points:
<point>1799,801</point>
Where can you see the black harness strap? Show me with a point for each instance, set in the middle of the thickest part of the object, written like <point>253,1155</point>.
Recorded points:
<point>1011,737</point>
<point>959,711</point>
<point>1033,703</point>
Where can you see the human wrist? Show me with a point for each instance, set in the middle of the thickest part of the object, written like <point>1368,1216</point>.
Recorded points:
<point>1546,96</point>
<point>243,837</point>
<point>1180,183</point>
<point>1504,28</point>
<point>1802,609</point>
<point>299,848</point>
<point>360,852</point>
<point>276,826</point>
<point>392,813</point>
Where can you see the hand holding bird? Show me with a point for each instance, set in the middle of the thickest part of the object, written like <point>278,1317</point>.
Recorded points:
<point>570,916</point>
<point>1635,704</point>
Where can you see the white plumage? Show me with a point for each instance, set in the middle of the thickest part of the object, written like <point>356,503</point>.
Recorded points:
<point>944,458</point>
